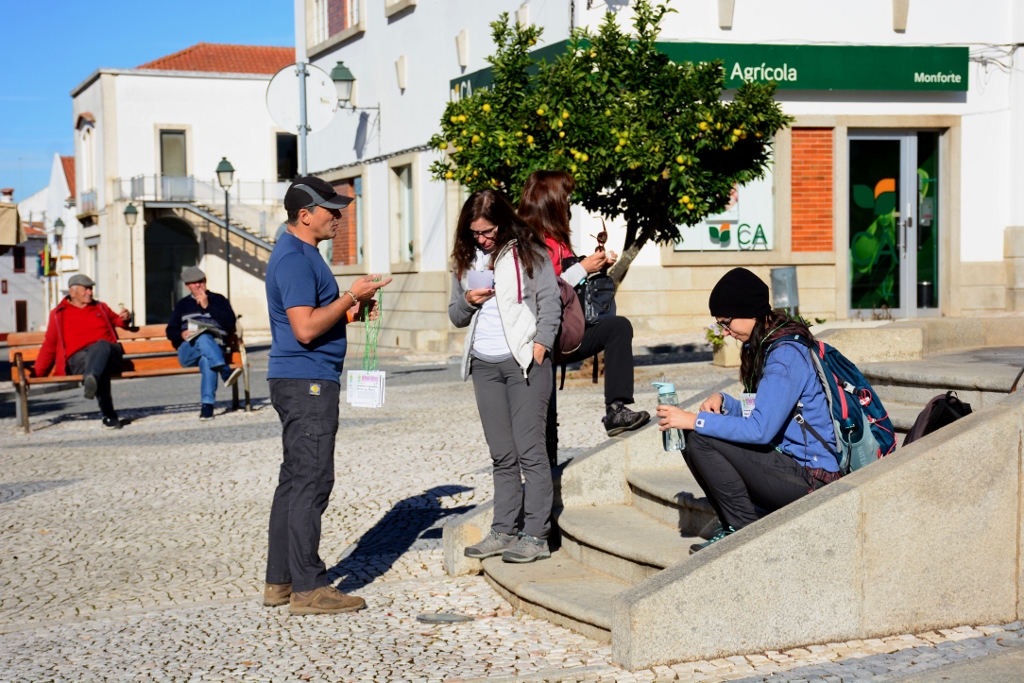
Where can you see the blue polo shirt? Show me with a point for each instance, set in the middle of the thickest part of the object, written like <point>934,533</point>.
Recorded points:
<point>298,276</point>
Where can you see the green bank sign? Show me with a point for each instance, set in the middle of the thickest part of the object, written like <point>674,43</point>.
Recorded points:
<point>802,67</point>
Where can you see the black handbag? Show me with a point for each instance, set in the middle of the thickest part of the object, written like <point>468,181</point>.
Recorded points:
<point>596,293</point>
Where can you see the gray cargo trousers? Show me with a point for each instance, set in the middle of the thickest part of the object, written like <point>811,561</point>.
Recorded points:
<point>513,410</point>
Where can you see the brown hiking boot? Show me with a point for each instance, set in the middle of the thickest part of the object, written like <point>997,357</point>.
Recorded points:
<point>276,594</point>
<point>325,600</point>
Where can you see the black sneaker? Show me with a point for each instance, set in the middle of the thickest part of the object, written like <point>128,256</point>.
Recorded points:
<point>206,413</point>
<point>90,384</point>
<point>111,423</point>
<point>618,418</point>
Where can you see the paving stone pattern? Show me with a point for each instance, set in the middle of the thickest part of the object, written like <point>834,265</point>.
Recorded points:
<point>138,555</point>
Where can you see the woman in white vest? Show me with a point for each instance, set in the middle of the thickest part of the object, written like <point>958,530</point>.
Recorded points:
<point>504,290</point>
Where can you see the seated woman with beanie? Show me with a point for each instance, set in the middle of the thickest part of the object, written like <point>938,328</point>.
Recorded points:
<point>751,451</point>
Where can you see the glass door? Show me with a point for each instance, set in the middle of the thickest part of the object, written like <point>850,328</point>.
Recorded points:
<point>893,221</point>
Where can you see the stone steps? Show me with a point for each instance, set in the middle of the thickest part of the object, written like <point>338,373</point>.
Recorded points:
<point>672,497</point>
<point>979,376</point>
<point>561,590</point>
<point>621,541</point>
<point>605,549</point>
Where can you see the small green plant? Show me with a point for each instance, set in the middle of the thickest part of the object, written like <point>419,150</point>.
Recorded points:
<point>714,336</point>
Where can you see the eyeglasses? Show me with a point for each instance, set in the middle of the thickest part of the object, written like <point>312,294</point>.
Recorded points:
<point>724,324</point>
<point>485,233</point>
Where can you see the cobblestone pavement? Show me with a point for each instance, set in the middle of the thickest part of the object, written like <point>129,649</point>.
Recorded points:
<point>137,555</point>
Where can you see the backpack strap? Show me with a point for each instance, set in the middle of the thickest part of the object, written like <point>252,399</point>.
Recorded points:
<point>561,385</point>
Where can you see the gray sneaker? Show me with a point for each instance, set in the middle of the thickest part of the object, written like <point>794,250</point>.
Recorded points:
<point>527,549</point>
<point>495,544</point>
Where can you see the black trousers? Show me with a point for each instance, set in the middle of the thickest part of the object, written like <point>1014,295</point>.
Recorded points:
<point>101,359</point>
<point>614,336</point>
<point>309,419</point>
<point>736,477</point>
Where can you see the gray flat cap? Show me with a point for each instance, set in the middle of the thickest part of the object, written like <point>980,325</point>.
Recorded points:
<point>81,281</point>
<point>192,274</point>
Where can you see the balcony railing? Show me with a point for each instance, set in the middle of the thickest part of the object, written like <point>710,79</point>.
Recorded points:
<point>250,200</point>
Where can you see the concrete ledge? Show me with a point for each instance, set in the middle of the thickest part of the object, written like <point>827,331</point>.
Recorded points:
<point>877,344</point>
<point>928,538</point>
<point>461,532</point>
<point>913,339</point>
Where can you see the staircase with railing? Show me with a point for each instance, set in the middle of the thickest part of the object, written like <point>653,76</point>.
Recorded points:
<point>254,206</point>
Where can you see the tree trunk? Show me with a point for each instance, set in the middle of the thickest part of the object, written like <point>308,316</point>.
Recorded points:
<point>621,267</point>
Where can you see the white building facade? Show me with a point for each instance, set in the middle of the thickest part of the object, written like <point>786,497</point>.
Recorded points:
<point>152,137</point>
<point>53,210</point>
<point>895,193</point>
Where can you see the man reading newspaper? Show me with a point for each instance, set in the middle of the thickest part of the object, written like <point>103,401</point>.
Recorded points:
<point>199,326</point>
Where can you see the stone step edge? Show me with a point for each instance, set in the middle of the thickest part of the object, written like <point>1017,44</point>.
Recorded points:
<point>938,379</point>
<point>641,480</point>
<point>592,619</point>
<point>570,527</point>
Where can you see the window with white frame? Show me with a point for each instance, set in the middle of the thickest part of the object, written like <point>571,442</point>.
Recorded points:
<point>320,21</point>
<point>403,215</point>
<point>88,159</point>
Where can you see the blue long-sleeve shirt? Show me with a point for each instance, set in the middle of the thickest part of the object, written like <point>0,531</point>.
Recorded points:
<point>789,377</point>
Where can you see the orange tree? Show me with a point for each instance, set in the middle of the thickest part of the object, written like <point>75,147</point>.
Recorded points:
<point>646,139</point>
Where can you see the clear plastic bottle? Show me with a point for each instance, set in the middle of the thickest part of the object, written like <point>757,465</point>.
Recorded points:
<point>672,439</point>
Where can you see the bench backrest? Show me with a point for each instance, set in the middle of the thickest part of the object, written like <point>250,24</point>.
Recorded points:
<point>143,341</point>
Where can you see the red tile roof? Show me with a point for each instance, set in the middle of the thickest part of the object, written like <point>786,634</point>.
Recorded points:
<point>234,59</point>
<point>69,172</point>
<point>34,229</point>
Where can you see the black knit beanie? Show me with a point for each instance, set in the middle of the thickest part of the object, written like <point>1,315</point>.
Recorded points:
<point>739,294</point>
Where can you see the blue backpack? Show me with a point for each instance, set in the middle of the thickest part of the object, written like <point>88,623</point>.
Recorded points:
<point>863,430</point>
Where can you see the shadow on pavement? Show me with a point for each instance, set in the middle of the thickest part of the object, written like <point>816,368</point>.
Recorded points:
<point>19,489</point>
<point>411,524</point>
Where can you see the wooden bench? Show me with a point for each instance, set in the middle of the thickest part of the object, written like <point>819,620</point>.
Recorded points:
<point>147,353</point>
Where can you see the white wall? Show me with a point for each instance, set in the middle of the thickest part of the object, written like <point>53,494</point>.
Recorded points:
<point>224,117</point>
<point>426,36</point>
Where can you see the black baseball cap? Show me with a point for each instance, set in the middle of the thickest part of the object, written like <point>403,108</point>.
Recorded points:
<point>310,191</point>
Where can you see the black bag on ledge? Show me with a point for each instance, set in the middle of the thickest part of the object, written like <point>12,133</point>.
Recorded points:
<point>942,410</point>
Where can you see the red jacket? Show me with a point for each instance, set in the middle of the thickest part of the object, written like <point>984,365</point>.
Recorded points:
<point>60,336</point>
<point>557,251</point>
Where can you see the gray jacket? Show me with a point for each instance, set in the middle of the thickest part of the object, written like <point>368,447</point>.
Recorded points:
<point>530,308</point>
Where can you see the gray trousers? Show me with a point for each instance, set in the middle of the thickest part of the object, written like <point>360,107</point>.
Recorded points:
<point>309,424</point>
<point>513,410</point>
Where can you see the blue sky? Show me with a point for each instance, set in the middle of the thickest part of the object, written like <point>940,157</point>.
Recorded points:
<point>48,47</point>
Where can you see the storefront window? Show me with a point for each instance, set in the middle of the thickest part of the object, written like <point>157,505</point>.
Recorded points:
<point>747,224</point>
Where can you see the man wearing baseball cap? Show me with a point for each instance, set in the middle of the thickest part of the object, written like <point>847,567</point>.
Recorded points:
<point>80,340</point>
<point>308,315</point>
<point>200,324</point>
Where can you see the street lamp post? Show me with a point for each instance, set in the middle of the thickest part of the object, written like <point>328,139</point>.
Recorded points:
<point>131,214</point>
<point>58,232</point>
<point>226,178</point>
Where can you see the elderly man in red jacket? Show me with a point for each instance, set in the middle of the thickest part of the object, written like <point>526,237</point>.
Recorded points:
<point>80,340</point>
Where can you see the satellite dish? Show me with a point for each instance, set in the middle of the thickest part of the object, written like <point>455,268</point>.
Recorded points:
<point>283,98</point>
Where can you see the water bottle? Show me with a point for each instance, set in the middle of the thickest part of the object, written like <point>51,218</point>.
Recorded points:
<point>672,439</point>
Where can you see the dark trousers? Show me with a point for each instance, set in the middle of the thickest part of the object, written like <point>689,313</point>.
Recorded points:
<point>101,359</point>
<point>614,336</point>
<point>309,421</point>
<point>513,410</point>
<point>736,477</point>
